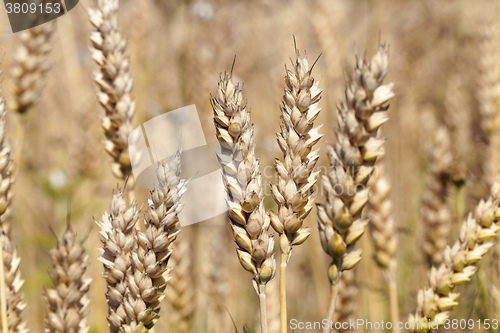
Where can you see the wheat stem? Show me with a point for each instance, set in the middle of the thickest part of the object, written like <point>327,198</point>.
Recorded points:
<point>283,314</point>
<point>3,300</point>
<point>263,310</point>
<point>334,293</point>
<point>393,300</point>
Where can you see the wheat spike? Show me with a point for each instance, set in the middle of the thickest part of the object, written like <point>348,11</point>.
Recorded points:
<point>347,300</point>
<point>296,176</point>
<point>180,293</point>
<point>488,94</point>
<point>30,66</point>
<point>150,258</point>
<point>383,234</point>
<point>382,228</point>
<point>351,160</point>
<point>115,83</point>
<point>476,237</point>
<point>117,236</point>
<point>10,259</point>
<point>67,301</point>
<point>213,248</point>
<point>243,181</point>
<point>436,215</point>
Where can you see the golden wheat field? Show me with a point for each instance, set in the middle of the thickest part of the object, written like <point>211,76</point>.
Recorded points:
<point>358,147</point>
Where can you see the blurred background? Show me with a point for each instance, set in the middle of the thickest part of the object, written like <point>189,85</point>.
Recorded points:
<point>178,49</point>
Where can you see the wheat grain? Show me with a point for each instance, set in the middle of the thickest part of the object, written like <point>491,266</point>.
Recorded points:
<point>243,181</point>
<point>180,293</point>
<point>10,261</point>
<point>30,66</point>
<point>115,84</point>
<point>436,216</point>
<point>352,159</point>
<point>67,301</point>
<point>296,176</point>
<point>460,261</point>
<point>117,236</point>
<point>154,246</point>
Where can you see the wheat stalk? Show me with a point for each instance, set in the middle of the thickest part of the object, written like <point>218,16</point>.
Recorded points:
<point>383,234</point>
<point>296,176</point>
<point>11,282</point>
<point>67,301</point>
<point>154,246</point>
<point>243,182</point>
<point>435,212</point>
<point>476,237</point>
<point>115,85</point>
<point>180,293</point>
<point>352,159</point>
<point>117,235</point>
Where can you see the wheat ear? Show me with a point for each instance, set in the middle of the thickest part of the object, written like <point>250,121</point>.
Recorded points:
<point>476,237</point>
<point>243,181</point>
<point>28,74</point>
<point>115,85</point>
<point>436,215</point>
<point>383,235</point>
<point>30,66</point>
<point>352,159</point>
<point>347,299</point>
<point>11,283</point>
<point>150,258</point>
<point>296,176</point>
<point>180,293</point>
<point>117,234</point>
<point>67,301</point>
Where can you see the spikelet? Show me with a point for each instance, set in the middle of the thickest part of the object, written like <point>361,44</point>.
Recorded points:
<point>351,161</point>
<point>476,237</point>
<point>117,236</point>
<point>180,293</point>
<point>67,301</point>
<point>150,258</point>
<point>436,216</point>
<point>296,176</point>
<point>11,260</point>
<point>243,182</point>
<point>115,83</point>
<point>30,66</point>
